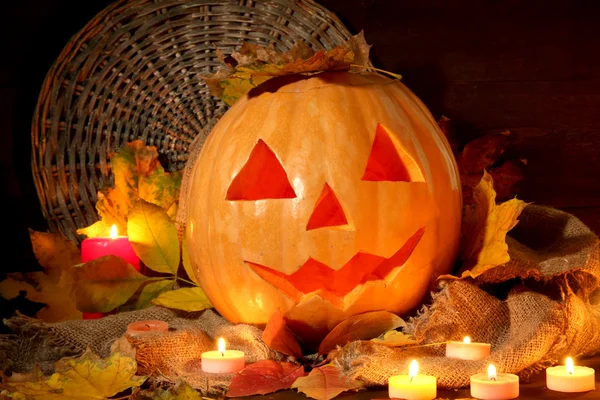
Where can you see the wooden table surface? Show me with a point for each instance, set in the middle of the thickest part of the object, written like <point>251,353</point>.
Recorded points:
<point>536,389</point>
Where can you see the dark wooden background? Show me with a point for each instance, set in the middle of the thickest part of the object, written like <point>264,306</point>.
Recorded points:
<point>529,66</point>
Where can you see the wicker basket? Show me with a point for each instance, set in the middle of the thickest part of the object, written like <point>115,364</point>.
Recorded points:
<point>134,72</point>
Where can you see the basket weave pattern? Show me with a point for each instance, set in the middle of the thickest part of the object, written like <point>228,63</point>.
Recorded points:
<point>135,73</point>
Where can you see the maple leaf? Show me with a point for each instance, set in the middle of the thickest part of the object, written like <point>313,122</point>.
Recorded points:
<point>264,377</point>
<point>485,225</point>
<point>360,327</point>
<point>137,175</point>
<point>186,299</point>
<point>254,65</point>
<point>85,377</point>
<point>55,253</point>
<point>394,338</point>
<point>325,383</point>
<point>279,338</point>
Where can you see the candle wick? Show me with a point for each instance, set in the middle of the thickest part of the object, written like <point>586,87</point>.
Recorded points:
<point>222,353</point>
<point>570,372</point>
<point>493,378</point>
<point>411,378</point>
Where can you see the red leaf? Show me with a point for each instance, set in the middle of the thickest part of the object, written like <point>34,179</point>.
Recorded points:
<point>278,337</point>
<point>325,383</point>
<point>360,327</point>
<point>264,377</point>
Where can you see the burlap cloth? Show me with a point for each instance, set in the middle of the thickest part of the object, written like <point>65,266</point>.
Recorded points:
<point>538,308</point>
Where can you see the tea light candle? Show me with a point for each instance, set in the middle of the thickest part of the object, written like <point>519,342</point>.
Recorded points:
<point>570,379</point>
<point>223,361</point>
<point>493,386</point>
<point>466,350</point>
<point>141,327</point>
<point>413,386</point>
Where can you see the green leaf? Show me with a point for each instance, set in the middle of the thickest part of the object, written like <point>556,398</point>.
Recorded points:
<point>187,263</point>
<point>150,291</point>
<point>186,299</point>
<point>86,377</point>
<point>103,284</point>
<point>154,237</point>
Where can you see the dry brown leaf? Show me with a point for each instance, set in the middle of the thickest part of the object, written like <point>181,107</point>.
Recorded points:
<point>278,337</point>
<point>360,327</point>
<point>485,225</point>
<point>264,377</point>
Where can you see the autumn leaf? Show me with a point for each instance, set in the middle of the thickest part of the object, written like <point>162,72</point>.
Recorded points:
<point>149,292</point>
<point>186,299</point>
<point>485,225</point>
<point>85,377</point>
<point>325,383</point>
<point>181,391</point>
<point>55,253</point>
<point>264,377</point>
<point>360,327</point>
<point>103,284</point>
<point>279,338</point>
<point>254,65</point>
<point>395,338</point>
<point>137,175</point>
<point>154,237</point>
<point>97,229</point>
<point>187,263</point>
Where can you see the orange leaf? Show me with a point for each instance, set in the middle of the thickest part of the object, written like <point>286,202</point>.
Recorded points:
<point>264,377</point>
<point>278,337</point>
<point>325,383</point>
<point>360,327</point>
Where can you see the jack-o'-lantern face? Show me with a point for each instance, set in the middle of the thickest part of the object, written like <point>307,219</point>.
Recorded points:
<point>332,196</point>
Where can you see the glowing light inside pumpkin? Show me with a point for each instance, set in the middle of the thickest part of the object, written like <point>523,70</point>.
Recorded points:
<point>221,346</point>
<point>413,370</point>
<point>114,232</point>
<point>467,339</point>
<point>570,366</point>
<point>492,372</point>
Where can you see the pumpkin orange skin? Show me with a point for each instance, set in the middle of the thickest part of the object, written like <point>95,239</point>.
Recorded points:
<point>321,129</point>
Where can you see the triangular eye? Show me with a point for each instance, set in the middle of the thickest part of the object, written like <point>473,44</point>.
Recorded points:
<point>262,177</point>
<point>389,163</point>
<point>328,211</point>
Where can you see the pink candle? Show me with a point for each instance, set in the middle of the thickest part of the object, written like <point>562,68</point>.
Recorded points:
<point>141,327</point>
<point>223,361</point>
<point>92,248</point>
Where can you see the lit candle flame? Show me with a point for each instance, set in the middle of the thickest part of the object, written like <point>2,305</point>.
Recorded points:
<point>570,366</point>
<point>492,372</point>
<point>114,232</point>
<point>467,339</point>
<point>413,369</point>
<point>221,346</point>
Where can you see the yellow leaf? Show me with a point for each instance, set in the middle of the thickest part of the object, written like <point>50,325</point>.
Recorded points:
<point>154,237</point>
<point>485,225</point>
<point>325,383</point>
<point>86,377</point>
<point>97,229</point>
<point>395,338</point>
<point>54,252</point>
<point>187,263</point>
<point>186,299</point>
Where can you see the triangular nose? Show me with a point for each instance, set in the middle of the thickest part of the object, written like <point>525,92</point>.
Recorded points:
<point>328,211</point>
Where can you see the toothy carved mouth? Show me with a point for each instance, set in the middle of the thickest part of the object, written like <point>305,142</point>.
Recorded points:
<point>314,277</point>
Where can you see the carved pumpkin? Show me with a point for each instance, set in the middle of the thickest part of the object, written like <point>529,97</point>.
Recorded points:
<point>324,197</point>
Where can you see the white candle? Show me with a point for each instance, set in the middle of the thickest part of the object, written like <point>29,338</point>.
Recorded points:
<point>223,361</point>
<point>413,386</point>
<point>570,379</point>
<point>493,386</point>
<point>466,350</point>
